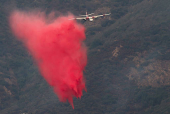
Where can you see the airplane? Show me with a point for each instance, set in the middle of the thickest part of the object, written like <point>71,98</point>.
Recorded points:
<point>89,17</point>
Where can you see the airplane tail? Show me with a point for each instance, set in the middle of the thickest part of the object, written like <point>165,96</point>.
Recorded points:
<point>87,14</point>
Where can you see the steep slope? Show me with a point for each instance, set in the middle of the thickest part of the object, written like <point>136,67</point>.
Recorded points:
<point>128,61</point>
<point>138,46</point>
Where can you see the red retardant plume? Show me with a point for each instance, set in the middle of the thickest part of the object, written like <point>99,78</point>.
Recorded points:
<point>57,48</point>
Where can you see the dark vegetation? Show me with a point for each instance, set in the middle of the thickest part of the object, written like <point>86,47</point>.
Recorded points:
<point>136,28</point>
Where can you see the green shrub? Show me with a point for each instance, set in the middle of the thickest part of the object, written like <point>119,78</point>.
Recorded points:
<point>107,23</point>
<point>96,43</point>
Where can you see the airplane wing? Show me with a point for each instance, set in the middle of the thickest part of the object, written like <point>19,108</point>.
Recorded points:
<point>82,18</point>
<point>91,14</point>
<point>87,14</point>
<point>107,14</point>
<point>101,15</point>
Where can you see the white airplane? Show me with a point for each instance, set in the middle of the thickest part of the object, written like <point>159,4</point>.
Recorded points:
<point>88,17</point>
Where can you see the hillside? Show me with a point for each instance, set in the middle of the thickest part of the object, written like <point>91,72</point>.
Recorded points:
<point>128,68</point>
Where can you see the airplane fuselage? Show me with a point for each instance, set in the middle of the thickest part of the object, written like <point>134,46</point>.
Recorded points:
<point>90,18</point>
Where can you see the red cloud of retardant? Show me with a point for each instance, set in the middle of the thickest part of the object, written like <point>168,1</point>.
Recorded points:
<point>57,47</point>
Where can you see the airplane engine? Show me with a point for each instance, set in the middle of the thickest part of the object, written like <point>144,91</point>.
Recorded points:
<point>90,19</point>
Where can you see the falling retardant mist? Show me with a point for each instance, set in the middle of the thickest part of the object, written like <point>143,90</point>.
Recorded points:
<point>57,48</point>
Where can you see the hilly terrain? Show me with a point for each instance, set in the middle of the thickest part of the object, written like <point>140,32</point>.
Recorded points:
<point>128,70</point>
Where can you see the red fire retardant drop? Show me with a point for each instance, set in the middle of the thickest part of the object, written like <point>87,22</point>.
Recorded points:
<point>57,48</point>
